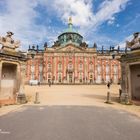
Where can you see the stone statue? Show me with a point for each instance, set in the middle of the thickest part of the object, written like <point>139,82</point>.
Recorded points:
<point>84,45</point>
<point>8,43</point>
<point>135,43</point>
<point>45,45</point>
<point>94,45</point>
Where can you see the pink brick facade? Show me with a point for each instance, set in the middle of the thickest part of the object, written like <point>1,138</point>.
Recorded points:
<point>75,66</point>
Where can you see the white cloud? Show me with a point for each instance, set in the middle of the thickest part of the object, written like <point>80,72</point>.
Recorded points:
<point>83,15</point>
<point>82,11</point>
<point>111,21</point>
<point>108,9</point>
<point>19,17</point>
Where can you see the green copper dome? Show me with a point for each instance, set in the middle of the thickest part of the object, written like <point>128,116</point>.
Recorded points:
<point>70,36</point>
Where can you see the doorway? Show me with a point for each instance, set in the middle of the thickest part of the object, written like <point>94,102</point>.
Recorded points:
<point>9,80</point>
<point>135,81</point>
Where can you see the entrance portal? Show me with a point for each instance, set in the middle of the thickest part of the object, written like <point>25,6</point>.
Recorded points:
<point>8,81</point>
<point>135,81</point>
<point>70,77</point>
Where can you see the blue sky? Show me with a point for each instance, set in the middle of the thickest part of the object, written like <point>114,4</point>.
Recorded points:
<point>106,22</point>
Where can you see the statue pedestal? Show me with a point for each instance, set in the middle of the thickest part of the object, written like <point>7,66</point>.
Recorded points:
<point>21,99</point>
<point>6,48</point>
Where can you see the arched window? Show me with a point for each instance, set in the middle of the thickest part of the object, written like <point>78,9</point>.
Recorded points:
<point>49,66</point>
<point>59,77</point>
<point>90,66</point>
<point>32,72</point>
<point>70,66</point>
<point>81,77</point>
<point>32,76</point>
<point>70,57</point>
<point>90,58</point>
<point>115,69</point>
<point>40,68</point>
<point>81,58</point>
<point>80,66</point>
<point>32,68</point>
<point>91,76</point>
<point>99,68</point>
<point>59,66</point>
<point>49,76</point>
<point>107,69</point>
<point>40,72</point>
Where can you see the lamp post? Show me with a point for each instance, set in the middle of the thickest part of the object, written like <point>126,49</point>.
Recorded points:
<point>113,54</point>
<point>33,53</point>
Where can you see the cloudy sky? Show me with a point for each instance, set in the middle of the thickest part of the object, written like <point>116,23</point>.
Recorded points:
<point>106,22</point>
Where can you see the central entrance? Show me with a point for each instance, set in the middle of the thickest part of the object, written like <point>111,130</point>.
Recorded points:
<point>70,77</point>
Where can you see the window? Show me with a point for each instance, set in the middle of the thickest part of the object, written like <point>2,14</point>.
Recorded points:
<point>91,76</point>
<point>115,69</point>
<point>60,58</point>
<point>81,66</point>
<point>90,58</point>
<point>59,77</point>
<point>91,66</point>
<point>32,72</point>
<point>81,58</point>
<point>70,57</point>
<point>49,76</point>
<point>107,78</point>
<point>40,68</point>
<point>32,76</point>
<point>107,69</point>
<point>81,78</point>
<point>40,76</point>
<point>49,66</point>
<point>99,68</point>
<point>49,58</point>
<point>59,66</point>
<point>70,66</point>
<point>32,68</point>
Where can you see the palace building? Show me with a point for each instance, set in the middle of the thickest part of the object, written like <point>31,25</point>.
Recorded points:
<point>71,61</point>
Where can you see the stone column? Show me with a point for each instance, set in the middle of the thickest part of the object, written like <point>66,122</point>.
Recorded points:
<point>22,78</point>
<point>123,77</point>
<point>0,74</point>
<point>129,83</point>
<point>75,68</point>
<point>19,79</point>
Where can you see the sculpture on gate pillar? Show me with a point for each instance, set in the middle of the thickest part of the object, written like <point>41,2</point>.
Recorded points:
<point>8,43</point>
<point>135,43</point>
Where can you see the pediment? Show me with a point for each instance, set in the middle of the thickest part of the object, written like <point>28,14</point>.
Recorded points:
<point>70,48</point>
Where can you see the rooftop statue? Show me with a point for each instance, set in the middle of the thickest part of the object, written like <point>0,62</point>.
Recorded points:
<point>135,43</point>
<point>8,43</point>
